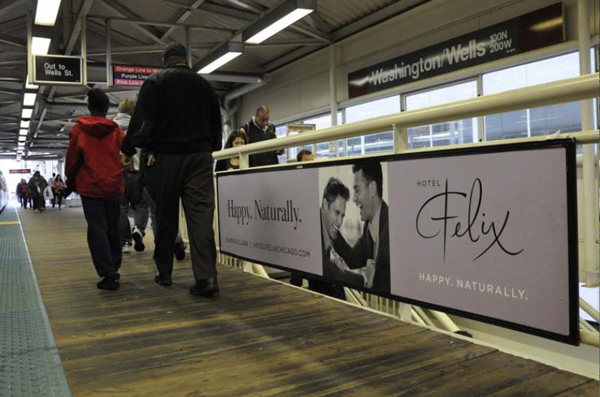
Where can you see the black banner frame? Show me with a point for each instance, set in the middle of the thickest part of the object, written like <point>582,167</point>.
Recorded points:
<point>573,338</point>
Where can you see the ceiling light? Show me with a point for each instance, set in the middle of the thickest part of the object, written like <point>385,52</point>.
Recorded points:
<point>46,12</point>
<point>25,123</point>
<point>29,99</point>
<point>26,113</point>
<point>277,20</point>
<point>221,56</point>
<point>22,138</point>
<point>23,132</point>
<point>30,86</point>
<point>40,45</point>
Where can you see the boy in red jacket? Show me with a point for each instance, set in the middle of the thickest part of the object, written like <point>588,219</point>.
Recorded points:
<point>93,169</point>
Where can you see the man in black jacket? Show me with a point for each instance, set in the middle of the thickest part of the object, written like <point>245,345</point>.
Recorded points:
<point>178,119</point>
<point>259,129</point>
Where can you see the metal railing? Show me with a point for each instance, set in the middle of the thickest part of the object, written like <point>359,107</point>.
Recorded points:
<point>578,88</point>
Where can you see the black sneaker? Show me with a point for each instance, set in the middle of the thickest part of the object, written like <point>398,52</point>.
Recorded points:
<point>138,239</point>
<point>109,283</point>
<point>165,281</point>
<point>180,251</point>
<point>207,287</point>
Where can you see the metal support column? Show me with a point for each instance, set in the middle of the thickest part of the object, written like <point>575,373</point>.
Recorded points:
<point>84,49</point>
<point>333,146</point>
<point>188,42</point>
<point>590,206</point>
<point>108,55</point>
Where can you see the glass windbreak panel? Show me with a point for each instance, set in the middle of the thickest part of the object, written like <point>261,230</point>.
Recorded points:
<point>506,125</point>
<point>539,121</point>
<point>380,142</point>
<point>564,117</point>
<point>282,132</point>
<point>320,122</point>
<point>449,133</point>
<point>355,146</point>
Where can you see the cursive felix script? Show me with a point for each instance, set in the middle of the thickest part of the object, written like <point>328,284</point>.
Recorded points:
<point>475,198</point>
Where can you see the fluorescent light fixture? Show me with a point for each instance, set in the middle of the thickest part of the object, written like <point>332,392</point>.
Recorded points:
<point>26,113</point>
<point>24,123</point>
<point>30,86</point>
<point>22,132</point>
<point>278,19</point>
<point>46,12</point>
<point>22,138</point>
<point>220,56</point>
<point>40,45</point>
<point>29,99</point>
<point>219,62</point>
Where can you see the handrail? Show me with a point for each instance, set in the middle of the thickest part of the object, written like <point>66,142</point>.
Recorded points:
<point>568,90</point>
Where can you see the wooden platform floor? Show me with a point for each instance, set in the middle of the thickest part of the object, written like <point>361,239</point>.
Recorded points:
<point>258,338</point>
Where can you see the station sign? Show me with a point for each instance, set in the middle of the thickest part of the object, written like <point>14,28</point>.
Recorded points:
<point>57,69</point>
<point>132,76</point>
<point>20,171</point>
<point>528,32</point>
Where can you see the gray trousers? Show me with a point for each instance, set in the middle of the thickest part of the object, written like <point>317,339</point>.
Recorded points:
<point>139,205</point>
<point>189,177</point>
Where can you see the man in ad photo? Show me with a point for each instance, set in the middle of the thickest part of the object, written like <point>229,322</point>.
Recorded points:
<point>366,262</point>
<point>335,247</point>
<point>373,248</point>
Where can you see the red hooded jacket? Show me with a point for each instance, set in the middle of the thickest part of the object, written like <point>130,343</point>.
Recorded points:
<point>93,159</point>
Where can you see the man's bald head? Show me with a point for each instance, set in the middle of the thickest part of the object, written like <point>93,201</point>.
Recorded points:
<point>262,116</point>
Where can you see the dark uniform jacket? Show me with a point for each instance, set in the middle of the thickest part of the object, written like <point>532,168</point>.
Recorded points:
<point>256,134</point>
<point>357,256</point>
<point>177,113</point>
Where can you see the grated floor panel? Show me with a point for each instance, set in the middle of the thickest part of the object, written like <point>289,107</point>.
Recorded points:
<point>29,361</point>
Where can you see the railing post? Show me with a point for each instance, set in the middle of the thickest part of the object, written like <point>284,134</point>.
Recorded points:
<point>589,213</point>
<point>400,138</point>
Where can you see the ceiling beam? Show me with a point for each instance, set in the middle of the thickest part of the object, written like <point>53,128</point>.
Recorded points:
<point>12,6</point>
<point>123,11</point>
<point>14,41</point>
<point>249,5</point>
<point>234,77</point>
<point>160,23</point>
<point>181,18</point>
<point>83,92</point>
<point>10,91</point>
<point>14,27</point>
<point>144,49</point>
<point>286,43</point>
<point>12,75</point>
<point>83,10</point>
<point>228,12</point>
<point>324,37</point>
<point>317,22</point>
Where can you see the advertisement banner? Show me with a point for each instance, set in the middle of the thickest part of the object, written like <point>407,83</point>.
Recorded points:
<point>528,32</point>
<point>132,76</point>
<point>485,233</point>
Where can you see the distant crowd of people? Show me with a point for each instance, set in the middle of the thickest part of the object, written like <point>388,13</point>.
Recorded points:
<point>37,190</point>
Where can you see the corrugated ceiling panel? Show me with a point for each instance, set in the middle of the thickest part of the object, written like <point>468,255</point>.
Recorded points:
<point>341,13</point>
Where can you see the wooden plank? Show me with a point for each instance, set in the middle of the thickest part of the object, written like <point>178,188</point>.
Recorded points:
<point>589,389</point>
<point>258,337</point>
<point>553,383</point>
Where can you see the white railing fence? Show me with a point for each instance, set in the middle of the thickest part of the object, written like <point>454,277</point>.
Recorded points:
<point>578,88</point>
